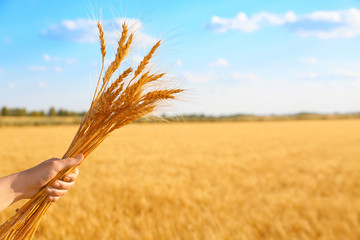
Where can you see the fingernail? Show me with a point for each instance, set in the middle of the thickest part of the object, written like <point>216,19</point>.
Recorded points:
<point>49,190</point>
<point>57,184</point>
<point>67,179</point>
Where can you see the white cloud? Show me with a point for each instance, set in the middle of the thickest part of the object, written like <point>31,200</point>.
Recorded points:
<point>243,23</point>
<point>245,76</point>
<point>332,16</point>
<point>42,85</point>
<point>287,97</point>
<point>11,85</point>
<point>356,84</point>
<point>1,70</point>
<point>237,75</point>
<point>59,59</point>
<point>199,77</point>
<point>320,24</point>
<point>179,62</point>
<point>313,75</point>
<point>46,57</point>
<point>37,68</point>
<point>58,69</point>
<point>70,61</point>
<point>332,74</point>
<point>310,60</point>
<point>86,31</point>
<point>220,62</point>
<point>346,73</point>
<point>79,30</point>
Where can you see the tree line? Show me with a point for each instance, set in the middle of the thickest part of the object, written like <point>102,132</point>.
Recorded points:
<point>52,112</point>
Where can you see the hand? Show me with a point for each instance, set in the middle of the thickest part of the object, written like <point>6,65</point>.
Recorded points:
<point>38,176</point>
<point>28,183</point>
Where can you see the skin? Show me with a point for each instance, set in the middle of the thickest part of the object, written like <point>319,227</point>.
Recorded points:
<point>26,184</point>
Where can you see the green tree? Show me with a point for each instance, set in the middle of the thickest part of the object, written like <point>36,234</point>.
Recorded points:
<point>5,111</point>
<point>36,113</point>
<point>63,113</point>
<point>52,112</point>
<point>19,112</point>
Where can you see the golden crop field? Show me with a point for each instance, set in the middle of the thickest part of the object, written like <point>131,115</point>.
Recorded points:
<point>255,180</point>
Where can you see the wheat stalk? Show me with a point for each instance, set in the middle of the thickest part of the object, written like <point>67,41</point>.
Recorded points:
<point>111,108</point>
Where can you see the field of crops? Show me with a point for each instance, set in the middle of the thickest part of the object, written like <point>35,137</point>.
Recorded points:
<point>255,180</point>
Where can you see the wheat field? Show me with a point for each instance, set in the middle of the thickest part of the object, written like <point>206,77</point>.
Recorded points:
<point>254,180</point>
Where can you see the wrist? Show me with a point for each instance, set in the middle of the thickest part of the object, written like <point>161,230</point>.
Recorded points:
<point>11,190</point>
<point>22,186</point>
<point>18,186</point>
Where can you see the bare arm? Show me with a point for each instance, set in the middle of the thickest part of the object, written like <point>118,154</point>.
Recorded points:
<point>26,184</point>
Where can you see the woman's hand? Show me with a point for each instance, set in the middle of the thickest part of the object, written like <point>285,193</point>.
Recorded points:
<point>28,183</point>
<point>40,175</point>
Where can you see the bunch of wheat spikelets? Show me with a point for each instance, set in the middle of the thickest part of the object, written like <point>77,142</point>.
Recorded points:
<point>115,104</point>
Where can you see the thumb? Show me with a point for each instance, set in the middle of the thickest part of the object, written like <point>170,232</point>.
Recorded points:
<point>70,162</point>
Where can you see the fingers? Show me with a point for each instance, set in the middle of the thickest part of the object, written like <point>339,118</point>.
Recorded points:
<point>60,187</point>
<point>53,199</point>
<point>67,182</point>
<point>71,176</point>
<point>69,162</point>
<point>55,193</point>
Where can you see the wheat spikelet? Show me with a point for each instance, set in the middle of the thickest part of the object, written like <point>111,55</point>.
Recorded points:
<point>102,40</point>
<point>160,94</point>
<point>120,79</point>
<point>112,107</point>
<point>155,77</point>
<point>121,53</point>
<point>113,91</point>
<point>146,59</point>
<point>103,53</point>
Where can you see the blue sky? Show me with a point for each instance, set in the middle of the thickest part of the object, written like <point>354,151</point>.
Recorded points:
<point>240,56</point>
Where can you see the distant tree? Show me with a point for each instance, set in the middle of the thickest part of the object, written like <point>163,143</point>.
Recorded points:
<point>63,113</point>
<point>19,112</point>
<point>52,112</point>
<point>5,111</point>
<point>37,113</point>
<point>73,114</point>
<point>34,113</point>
